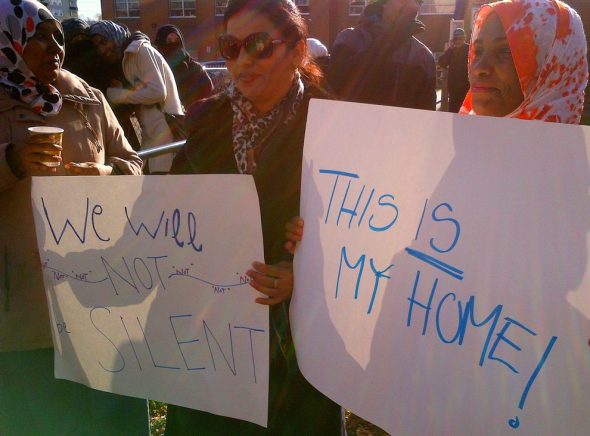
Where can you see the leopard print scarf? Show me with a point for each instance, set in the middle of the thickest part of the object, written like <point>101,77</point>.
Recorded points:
<point>250,130</point>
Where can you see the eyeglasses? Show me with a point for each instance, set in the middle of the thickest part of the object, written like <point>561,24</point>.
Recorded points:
<point>259,45</point>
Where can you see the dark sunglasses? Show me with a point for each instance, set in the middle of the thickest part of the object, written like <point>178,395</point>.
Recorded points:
<point>259,45</point>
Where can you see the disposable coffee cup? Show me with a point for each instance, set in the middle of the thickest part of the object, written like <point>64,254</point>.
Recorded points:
<point>47,135</point>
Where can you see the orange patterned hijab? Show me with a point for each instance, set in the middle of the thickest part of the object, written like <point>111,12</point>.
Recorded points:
<point>548,46</point>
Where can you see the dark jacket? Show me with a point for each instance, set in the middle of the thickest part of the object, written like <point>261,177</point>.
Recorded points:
<point>295,407</point>
<point>455,58</point>
<point>389,68</point>
<point>192,81</point>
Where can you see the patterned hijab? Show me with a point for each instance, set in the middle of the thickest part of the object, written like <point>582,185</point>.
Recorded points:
<point>250,130</point>
<point>111,32</point>
<point>18,24</point>
<point>548,46</point>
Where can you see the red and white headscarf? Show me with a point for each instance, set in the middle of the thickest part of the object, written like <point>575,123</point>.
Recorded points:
<point>548,46</point>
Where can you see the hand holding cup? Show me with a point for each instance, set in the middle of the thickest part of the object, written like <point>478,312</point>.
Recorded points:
<point>43,148</point>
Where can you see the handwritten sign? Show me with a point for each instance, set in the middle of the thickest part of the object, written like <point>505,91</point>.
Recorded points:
<point>146,284</point>
<point>446,261</point>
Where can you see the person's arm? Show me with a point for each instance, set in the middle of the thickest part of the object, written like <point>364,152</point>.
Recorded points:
<point>426,85</point>
<point>149,88</point>
<point>120,158</point>
<point>343,61</point>
<point>18,161</point>
<point>445,60</point>
<point>197,85</point>
<point>9,174</point>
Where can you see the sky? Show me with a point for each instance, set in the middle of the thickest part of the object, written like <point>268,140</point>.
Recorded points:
<point>88,8</point>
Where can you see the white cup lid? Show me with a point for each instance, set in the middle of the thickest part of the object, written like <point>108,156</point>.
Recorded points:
<point>45,129</point>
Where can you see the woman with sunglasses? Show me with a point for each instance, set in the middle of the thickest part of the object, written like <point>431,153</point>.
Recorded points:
<point>257,127</point>
<point>36,91</point>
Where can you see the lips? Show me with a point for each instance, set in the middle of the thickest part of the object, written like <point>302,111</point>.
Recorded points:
<point>247,78</point>
<point>483,88</point>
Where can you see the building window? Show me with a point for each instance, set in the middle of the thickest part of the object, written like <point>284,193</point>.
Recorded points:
<point>355,7</point>
<point>182,8</point>
<point>126,8</point>
<point>220,7</point>
<point>303,6</point>
<point>438,7</point>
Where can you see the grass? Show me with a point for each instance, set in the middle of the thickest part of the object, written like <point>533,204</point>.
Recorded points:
<point>355,426</point>
<point>157,417</point>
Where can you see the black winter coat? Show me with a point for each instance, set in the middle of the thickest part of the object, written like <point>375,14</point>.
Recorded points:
<point>391,68</point>
<point>295,407</point>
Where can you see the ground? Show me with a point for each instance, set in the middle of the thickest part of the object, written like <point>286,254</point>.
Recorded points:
<point>354,425</point>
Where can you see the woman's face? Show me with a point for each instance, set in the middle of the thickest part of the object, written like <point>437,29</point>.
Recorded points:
<point>495,87</point>
<point>44,52</point>
<point>173,39</point>
<point>106,49</point>
<point>262,81</point>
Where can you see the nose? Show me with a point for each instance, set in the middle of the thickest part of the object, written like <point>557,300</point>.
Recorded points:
<point>101,49</point>
<point>482,66</point>
<point>243,57</point>
<point>53,46</point>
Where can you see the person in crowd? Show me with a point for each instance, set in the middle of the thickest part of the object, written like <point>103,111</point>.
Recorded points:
<point>455,59</point>
<point>527,60</point>
<point>149,84</point>
<point>80,55</point>
<point>257,127</point>
<point>192,80</point>
<point>381,62</point>
<point>316,48</point>
<point>82,60</point>
<point>319,53</point>
<point>35,91</point>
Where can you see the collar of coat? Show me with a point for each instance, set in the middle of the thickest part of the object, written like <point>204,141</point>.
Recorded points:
<point>71,88</point>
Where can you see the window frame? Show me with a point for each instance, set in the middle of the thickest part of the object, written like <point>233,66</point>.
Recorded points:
<point>303,3</point>
<point>219,7</point>
<point>127,8</point>
<point>356,6</point>
<point>437,5</point>
<point>183,8</point>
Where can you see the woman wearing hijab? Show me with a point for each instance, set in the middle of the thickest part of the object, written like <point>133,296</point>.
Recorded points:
<point>527,60</point>
<point>257,127</point>
<point>150,84</point>
<point>36,91</point>
<point>192,80</point>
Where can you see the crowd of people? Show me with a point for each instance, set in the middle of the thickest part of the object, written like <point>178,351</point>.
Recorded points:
<point>49,76</point>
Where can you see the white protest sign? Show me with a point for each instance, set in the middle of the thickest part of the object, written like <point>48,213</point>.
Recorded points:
<point>146,284</point>
<point>442,285</point>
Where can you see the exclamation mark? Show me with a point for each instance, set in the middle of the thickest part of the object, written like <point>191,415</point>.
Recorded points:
<point>515,422</point>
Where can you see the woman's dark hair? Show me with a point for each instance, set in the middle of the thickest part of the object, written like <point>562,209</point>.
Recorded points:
<point>287,18</point>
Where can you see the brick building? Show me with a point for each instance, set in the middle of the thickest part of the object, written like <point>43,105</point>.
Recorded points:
<point>201,20</point>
